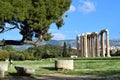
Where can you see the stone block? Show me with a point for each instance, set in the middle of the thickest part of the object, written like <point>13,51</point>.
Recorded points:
<point>24,71</point>
<point>3,68</point>
<point>64,64</point>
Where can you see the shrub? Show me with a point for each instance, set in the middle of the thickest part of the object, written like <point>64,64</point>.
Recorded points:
<point>26,55</point>
<point>13,55</point>
<point>16,56</point>
<point>4,55</point>
<point>21,57</point>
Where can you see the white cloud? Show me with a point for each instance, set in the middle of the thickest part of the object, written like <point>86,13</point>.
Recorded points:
<point>86,6</point>
<point>72,8</point>
<point>58,36</point>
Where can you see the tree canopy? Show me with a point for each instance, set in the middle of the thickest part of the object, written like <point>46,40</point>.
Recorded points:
<point>32,18</point>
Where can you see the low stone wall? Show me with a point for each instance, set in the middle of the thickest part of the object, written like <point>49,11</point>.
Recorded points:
<point>64,64</point>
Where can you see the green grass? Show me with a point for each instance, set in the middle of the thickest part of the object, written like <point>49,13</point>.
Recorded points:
<point>85,66</point>
<point>96,67</point>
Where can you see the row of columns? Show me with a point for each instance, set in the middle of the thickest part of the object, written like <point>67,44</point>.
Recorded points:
<point>92,44</point>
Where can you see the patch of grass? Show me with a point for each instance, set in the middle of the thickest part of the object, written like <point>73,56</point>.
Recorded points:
<point>99,67</point>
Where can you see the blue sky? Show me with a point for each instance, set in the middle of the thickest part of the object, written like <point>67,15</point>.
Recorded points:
<point>90,16</point>
<point>84,16</point>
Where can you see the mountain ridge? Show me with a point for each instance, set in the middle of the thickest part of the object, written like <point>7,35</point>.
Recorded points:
<point>71,42</point>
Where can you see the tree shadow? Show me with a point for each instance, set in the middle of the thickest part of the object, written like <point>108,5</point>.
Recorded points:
<point>16,76</point>
<point>50,68</point>
<point>13,74</point>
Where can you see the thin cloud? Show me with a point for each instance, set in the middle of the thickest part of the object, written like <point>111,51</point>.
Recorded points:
<point>86,6</point>
<point>58,36</point>
<point>72,8</point>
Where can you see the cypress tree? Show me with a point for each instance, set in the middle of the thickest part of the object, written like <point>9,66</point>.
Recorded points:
<point>64,53</point>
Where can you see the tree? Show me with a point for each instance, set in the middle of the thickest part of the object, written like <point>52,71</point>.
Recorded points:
<point>64,53</point>
<point>32,18</point>
<point>70,48</point>
<point>4,54</point>
<point>38,54</point>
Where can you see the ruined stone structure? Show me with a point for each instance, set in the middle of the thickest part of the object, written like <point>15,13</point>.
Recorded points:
<point>93,44</point>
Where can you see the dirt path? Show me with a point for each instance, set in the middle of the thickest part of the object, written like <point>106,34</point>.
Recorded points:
<point>62,77</point>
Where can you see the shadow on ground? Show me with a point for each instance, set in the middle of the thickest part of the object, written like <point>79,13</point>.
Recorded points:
<point>49,68</point>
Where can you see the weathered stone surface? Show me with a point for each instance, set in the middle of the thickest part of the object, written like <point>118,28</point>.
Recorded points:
<point>3,68</point>
<point>24,70</point>
<point>64,64</point>
<point>2,74</point>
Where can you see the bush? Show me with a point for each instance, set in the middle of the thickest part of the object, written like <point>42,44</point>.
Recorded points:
<point>4,55</point>
<point>16,56</point>
<point>38,54</point>
<point>13,55</point>
<point>26,55</point>
<point>48,56</point>
<point>21,57</point>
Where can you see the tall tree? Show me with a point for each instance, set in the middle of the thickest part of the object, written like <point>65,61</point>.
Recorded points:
<point>32,18</point>
<point>69,48</point>
<point>64,53</point>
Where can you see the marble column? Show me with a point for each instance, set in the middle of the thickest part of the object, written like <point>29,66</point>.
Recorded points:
<point>90,54</point>
<point>85,46</point>
<point>102,44</point>
<point>82,44</point>
<point>93,47</point>
<point>88,45</point>
<point>97,46</point>
<point>107,44</point>
<point>91,40</point>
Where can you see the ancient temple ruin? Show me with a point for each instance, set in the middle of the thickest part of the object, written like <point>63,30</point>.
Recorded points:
<point>93,44</point>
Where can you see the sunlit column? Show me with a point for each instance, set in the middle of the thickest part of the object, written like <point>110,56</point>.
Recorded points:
<point>91,51</point>
<point>85,46</point>
<point>93,48</point>
<point>107,43</point>
<point>90,46</point>
<point>102,44</point>
<point>97,46</point>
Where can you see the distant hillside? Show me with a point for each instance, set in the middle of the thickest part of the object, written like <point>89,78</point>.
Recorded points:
<point>73,42</point>
<point>60,43</point>
<point>115,43</point>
